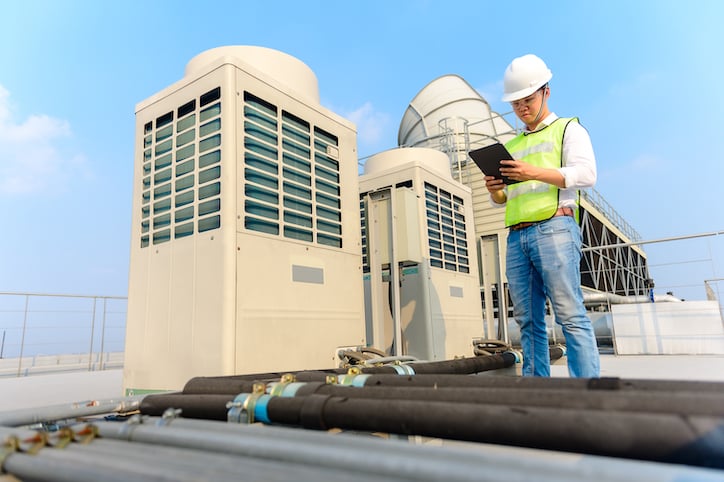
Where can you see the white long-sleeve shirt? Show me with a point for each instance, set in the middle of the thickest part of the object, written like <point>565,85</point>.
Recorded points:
<point>579,161</point>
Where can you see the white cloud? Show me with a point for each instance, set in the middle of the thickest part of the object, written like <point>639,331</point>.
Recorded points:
<point>492,92</point>
<point>31,152</point>
<point>373,128</point>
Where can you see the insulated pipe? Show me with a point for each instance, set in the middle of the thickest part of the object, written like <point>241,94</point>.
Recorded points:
<point>556,352</point>
<point>203,406</point>
<point>538,383</point>
<point>685,403</point>
<point>690,440</point>
<point>241,383</point>
<point>465,366</point>
<point>216,406</point>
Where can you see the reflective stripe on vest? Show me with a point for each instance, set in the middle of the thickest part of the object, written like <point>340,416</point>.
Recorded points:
<point>532,201</point>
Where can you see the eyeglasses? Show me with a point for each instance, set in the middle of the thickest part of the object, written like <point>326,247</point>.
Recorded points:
<point>527,101</point>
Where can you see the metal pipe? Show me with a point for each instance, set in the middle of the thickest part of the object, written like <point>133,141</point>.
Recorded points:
<point>29,416</point>
<point>192,464</point>
<point>390,460</point>
<point>388,359</point>
<point>395,272</point>
<point>155,467</point>
<point>590,296</point>
<point>393,458</point>
<point>340,456</point>
<point>660,240</point>
<point>108,458</point>
<point>40,468</point>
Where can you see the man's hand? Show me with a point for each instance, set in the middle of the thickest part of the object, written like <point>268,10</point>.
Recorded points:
<point>518,170</point>
<point>495,188</point>
<point>522,171</point>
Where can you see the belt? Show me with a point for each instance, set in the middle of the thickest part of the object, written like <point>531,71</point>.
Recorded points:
<point>560,212</point>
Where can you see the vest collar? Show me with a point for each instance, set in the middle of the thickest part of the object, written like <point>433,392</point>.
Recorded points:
<point>549,119</point>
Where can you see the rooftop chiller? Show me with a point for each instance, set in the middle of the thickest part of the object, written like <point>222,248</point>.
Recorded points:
<point>245,243</point>
<point>422,290</point>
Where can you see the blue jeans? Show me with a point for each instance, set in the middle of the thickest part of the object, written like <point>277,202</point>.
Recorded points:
<point>542,261</point>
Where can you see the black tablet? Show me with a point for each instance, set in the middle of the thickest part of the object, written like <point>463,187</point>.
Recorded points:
<point>488,160</point>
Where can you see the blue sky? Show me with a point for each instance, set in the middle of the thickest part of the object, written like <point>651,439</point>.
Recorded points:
<point>643,76</point>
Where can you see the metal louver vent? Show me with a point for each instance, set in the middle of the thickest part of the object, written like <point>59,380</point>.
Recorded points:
<point>291,176</point>
<point>182,171</point>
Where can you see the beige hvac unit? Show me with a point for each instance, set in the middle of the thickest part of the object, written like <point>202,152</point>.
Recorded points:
<point>422,293</point>
<point>245,243</point>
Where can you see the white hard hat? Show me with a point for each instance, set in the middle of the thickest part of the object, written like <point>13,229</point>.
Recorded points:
<point>524,76</point>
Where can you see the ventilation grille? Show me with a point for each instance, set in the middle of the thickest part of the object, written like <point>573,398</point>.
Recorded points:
<point>365,245</point>
<point>291,176</point>
<point>446,234</point>
<point>446,231</point>
<point>182,171</point>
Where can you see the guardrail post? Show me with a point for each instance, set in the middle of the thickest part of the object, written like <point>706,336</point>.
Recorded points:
<point>92,334</point>
<point>103,336</point>
<point>22,339</point>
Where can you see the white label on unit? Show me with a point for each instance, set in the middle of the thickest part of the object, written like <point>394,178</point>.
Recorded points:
<point>307,274</point>
<point>456,291</point>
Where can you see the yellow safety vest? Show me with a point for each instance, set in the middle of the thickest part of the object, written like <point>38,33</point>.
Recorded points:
<point>532,201</point>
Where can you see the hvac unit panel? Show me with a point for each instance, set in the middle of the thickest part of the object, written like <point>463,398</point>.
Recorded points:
<point>440,304</point>
<point>299,292</point>
<point>295,306</point>
<point>407,204</point>
<point>406,218</point>
<point>297,168</point>
<point>182,236</point>
<point>245,239</point>
<point>457,313</point>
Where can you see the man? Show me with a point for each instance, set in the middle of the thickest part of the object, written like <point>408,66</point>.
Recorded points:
<point>553,160</point>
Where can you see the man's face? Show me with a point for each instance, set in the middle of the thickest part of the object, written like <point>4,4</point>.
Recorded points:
<point>528,108</point>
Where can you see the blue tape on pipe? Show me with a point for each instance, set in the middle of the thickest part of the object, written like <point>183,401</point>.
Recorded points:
<point>291,389</point>
<point>404,369</point>
<point>360,381</point>
<point>260,409</point>
<point>517,355</point>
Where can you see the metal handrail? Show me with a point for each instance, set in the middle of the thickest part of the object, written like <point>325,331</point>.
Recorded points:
<point>96,316</point>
